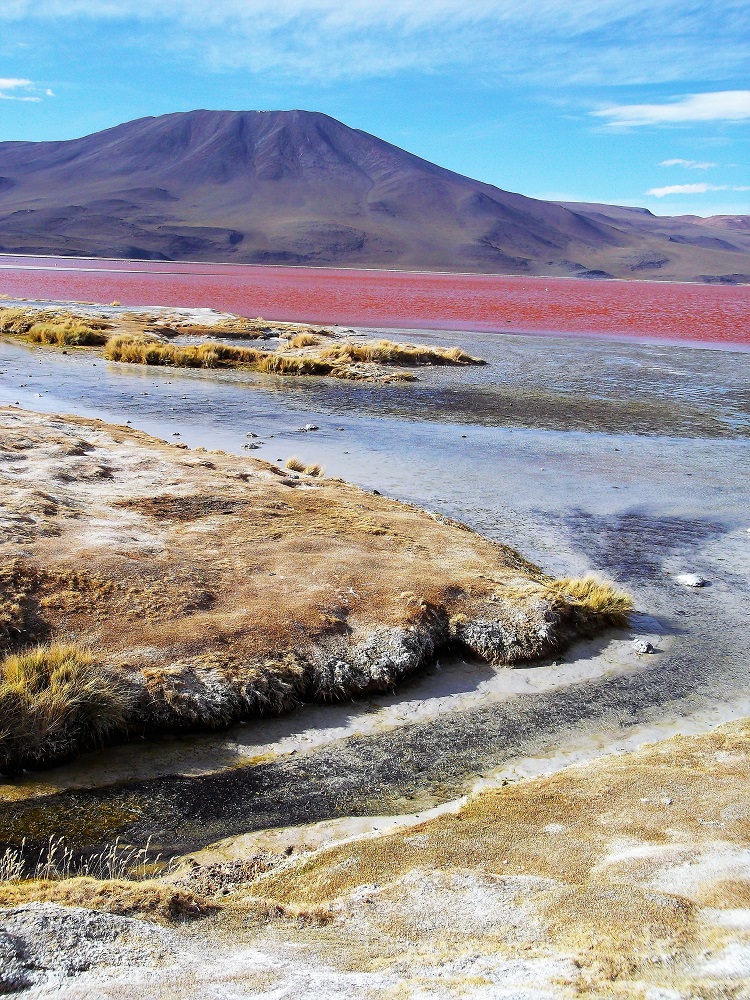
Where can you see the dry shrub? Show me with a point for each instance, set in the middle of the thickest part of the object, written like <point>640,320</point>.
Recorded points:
<point>387,352</point>
<point>295,464</point>
<point>55,701</point>
<point>315,470</point>
<point>596,600</point>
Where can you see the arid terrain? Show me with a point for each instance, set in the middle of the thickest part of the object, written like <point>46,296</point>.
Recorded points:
<point>299,187</point>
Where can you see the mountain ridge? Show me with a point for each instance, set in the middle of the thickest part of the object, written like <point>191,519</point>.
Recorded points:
<point>300,187</point>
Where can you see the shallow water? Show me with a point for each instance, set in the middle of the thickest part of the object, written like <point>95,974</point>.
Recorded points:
<point>659,490</point>
<point>664,310</point>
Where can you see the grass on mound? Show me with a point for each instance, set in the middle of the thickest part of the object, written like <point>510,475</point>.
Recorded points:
<point>596,599</point>
<point>59,329</point>
<point>304,340</point>
<point>297,465</point>
<point>73,333</point>
<point>387,352</point>
<point>56,701</point>
<point>143,351</point>
<point>16,321</point>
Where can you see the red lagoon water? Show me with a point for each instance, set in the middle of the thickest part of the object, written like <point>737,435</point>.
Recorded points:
<point>411,299</point>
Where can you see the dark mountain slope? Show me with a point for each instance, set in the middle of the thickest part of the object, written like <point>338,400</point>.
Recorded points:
<point>302,188</point>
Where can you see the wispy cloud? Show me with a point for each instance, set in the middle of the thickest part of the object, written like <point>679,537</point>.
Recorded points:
<point>724,106</point>
<point>688,164</point>
<point>558,41</point>
<point>661,192</point>
<point>15,89</point>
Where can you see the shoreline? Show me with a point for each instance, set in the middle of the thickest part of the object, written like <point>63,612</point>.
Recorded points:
<point>365,270</point>
<point>364,328</point>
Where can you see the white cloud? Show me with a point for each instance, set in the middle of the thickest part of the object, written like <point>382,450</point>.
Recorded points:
<point>560,41</point>
<point>17,89</point>
<point>725,105</point>
<point>688,164</point>
<point>661,192</point>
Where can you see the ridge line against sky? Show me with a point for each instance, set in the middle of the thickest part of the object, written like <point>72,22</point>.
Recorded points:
<point>581,100</point>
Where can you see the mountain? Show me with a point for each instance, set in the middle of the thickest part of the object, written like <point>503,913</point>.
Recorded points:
<point>298,187</point>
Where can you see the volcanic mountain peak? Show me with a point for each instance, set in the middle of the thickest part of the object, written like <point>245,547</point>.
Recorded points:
<point>301,187</point>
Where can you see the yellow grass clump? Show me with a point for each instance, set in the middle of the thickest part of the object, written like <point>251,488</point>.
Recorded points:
<point>144,351</point>
<point>297,465</point>
<point>596,598</point>
<point>72,333</point>
<point>387,352</point>
<point>304,340</point>
<point>56,700</point>
<point>16,321</point>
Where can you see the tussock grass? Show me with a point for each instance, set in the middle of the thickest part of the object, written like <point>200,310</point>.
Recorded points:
<point>55,701</point>
<point>17,321</point>
<point>387,352</point>
<point>304,340</point>
<point>596,599</point>
<point>144,351</point>
<point>59,329</point>
<point>72,333</point>
<point>297,465</point>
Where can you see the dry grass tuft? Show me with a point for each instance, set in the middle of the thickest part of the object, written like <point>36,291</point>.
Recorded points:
<point>295,464</point>
<point>55,701</point>
<point>72,333</point>
<point>387,352</point>
<point>151,899</point>
<point>16,321</point>
<point>146,351</point>
<point>304,340</point>
<point>59,329</point>
<point>596,599</point>
<point>315,470</point>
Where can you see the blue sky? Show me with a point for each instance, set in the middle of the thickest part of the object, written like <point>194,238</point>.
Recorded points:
<point>644,102</point>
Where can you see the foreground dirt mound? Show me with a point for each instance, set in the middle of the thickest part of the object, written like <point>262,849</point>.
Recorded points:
<point>216,587</point>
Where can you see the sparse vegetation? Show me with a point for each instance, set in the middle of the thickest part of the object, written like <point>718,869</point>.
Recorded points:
<point>297,465</point>
<point>55,701</point>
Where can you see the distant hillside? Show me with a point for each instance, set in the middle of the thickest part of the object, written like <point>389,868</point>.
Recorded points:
<point>297,187</point>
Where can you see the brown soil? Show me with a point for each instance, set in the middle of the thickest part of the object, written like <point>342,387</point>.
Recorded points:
<point>221,587</point>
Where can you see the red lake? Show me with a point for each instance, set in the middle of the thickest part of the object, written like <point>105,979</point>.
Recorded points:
<point>717,314</point>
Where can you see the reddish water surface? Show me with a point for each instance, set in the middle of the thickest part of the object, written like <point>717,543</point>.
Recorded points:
<point>707,313</point>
